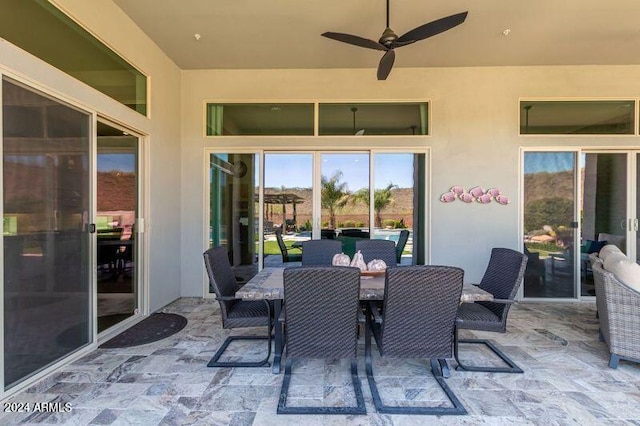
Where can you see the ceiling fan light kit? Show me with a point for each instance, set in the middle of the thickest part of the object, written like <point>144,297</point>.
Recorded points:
<point>390,41</point>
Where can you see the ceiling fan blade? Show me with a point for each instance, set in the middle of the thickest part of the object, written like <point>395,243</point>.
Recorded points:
<point>386,63</point>
<point>431,29</point>
<point>355,40</point>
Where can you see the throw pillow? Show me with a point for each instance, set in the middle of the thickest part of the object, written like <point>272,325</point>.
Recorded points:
<point>595,246</point>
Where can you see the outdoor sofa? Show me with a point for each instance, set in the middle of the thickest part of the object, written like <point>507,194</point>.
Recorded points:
<point>617,285</point>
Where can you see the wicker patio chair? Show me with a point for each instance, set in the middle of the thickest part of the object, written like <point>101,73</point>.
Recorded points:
<point>285,251</point>
<point>402,241</point>
<point>321,319</point>
<point>236,313</point>
<point>619,314</point>
<point>378,249</point>
<point>320,252</point>
<point>503,276</point>
<point>418,320</point>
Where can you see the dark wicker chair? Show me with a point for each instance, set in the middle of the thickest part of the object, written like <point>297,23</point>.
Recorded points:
<point>378,249</point>
<point>286,255</point>
<point>418,320</point>
<point>321,318</point>
<point>502,278</point>
<point>320,252</point>
<point>402,241</point>
<point>236,313</point>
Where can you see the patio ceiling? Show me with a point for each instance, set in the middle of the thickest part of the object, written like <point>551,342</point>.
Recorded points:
<point>258,34</point>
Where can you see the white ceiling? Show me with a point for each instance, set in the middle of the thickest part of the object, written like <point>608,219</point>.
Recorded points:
<point>253,34</point>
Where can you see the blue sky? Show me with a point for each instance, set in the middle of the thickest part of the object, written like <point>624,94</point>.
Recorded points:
<point>551,162</point>
<point>295,170</point>
<point>120,162</point>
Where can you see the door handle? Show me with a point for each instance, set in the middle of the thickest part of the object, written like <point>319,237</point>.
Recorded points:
<point>623,224</point>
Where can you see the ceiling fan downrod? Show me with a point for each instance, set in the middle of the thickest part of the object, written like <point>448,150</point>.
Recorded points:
<point>388,36</point>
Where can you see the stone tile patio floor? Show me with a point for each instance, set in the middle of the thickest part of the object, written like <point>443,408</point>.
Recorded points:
<point>566,380</point>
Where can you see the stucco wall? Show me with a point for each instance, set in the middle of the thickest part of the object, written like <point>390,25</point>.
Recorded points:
<point>104,19</point>
<point>108,22</point>
<point>474,140</point>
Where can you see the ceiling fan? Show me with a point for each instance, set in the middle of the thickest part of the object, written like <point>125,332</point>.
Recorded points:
<point>389,40</point>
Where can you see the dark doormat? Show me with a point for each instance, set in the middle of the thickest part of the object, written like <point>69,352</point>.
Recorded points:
<point>157,327</point>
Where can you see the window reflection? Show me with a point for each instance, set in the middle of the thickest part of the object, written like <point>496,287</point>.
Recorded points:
<point>46,244</point>
<point>395,193</point>
<point>549,204</point>
<point>233,210</point>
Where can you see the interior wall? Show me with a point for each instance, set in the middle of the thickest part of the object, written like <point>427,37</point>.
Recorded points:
<point>474,140</point>
<point>104,19</point>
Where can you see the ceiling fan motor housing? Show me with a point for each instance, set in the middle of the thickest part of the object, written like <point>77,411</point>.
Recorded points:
<point>388,37</point>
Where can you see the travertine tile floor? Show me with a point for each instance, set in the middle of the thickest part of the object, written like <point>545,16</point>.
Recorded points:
<point>566,380</point>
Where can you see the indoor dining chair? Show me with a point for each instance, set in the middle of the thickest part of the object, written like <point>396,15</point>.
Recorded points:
<point>236,313</point>
<point>378,249</point>
<point>320,252</point>
<point>502,278</point>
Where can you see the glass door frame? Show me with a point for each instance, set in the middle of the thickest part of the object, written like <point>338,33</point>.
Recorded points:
<point>44,85</point>
<point>140,266</point>
<point>633,192</point>
<point>316,190</point>
<point>88,220</point>
<point>577,196</point>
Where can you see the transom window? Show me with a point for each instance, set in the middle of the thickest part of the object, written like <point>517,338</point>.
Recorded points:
<point>333,119</point>
<point>609,117</point>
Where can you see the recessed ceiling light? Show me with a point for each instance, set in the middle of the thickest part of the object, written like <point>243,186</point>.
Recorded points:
<point>507,31</point>
<point>197,36</point>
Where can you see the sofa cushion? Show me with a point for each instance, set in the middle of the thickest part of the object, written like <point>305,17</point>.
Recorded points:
<point>608,250</point>
<point>624,269</point>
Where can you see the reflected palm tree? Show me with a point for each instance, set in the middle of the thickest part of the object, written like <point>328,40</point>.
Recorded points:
<point>334,196</point>
<point>382,197</point>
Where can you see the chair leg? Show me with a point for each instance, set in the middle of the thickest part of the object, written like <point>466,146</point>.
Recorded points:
<point>613,361</point>
<point>262,363</point>
<point>284,392</point>
<point>513,367</point>
<point>436,370</point>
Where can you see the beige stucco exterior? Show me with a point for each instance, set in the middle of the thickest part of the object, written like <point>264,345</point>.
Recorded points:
<point>474,140</point>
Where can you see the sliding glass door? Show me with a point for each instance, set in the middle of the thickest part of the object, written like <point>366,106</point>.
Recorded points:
<point>117,210</point>
<point>604,207</point>
<point>398,200</point>
<point>633,229</point>
<point>263,218</point>
<point>46,205</point>
<point>288,204</point>
<point>344,186</point>
<point>550,223</point>
<point>560,237</point>
<point>234,209</point>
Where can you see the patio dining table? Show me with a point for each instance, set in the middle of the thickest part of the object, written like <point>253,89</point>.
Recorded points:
<point>268,284</point>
